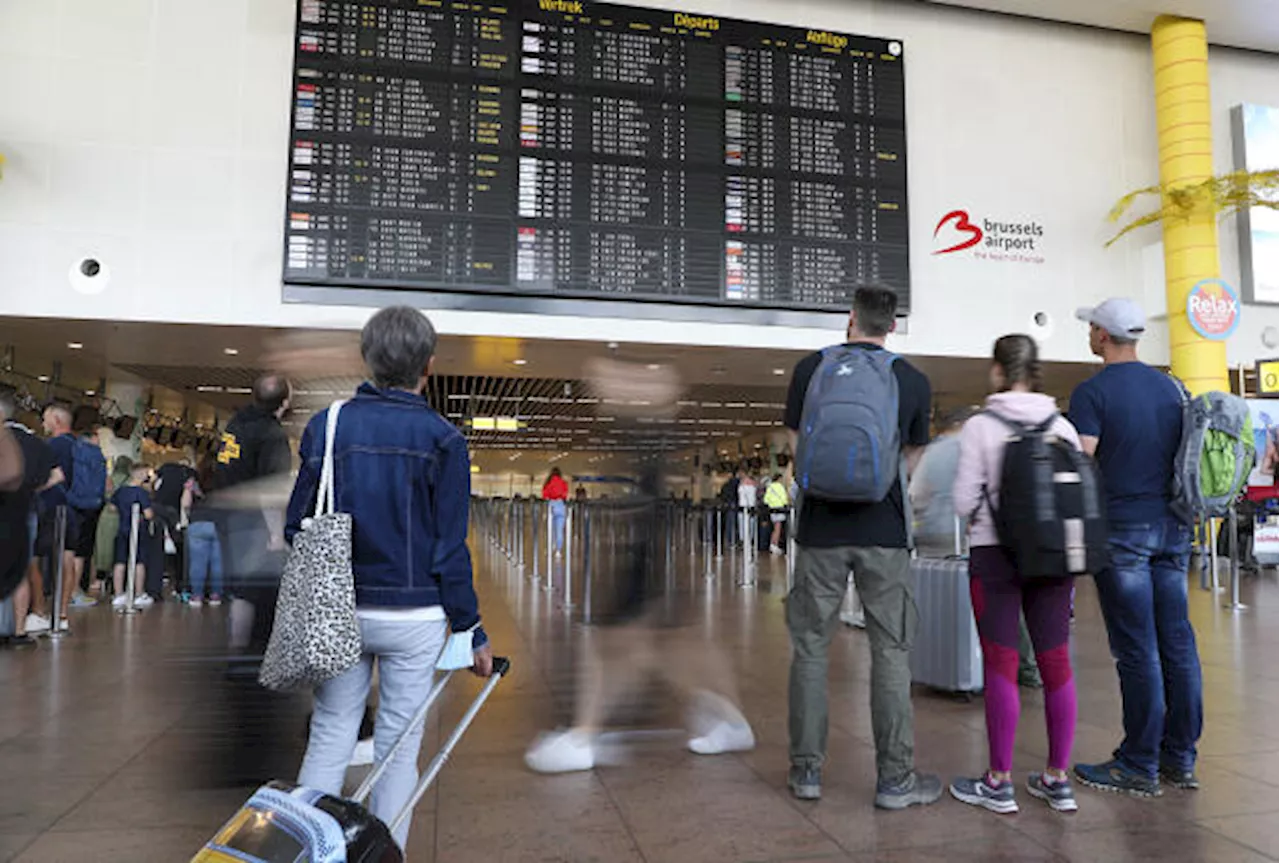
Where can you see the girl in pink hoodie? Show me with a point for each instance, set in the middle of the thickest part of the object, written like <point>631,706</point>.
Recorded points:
<point>999,592</point>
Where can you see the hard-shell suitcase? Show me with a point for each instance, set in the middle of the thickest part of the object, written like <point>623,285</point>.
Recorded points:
<point>947,654</point>
<point>286,823</point>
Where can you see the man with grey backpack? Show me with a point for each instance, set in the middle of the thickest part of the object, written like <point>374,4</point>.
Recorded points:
<point>859,416</point>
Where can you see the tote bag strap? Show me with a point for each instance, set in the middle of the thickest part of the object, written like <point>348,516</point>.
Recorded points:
<point>325,500</point>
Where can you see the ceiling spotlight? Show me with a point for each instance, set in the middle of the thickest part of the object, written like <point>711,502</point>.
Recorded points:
<point>231,352</point>
<point>90,392</point>
<point>520,362</point>
<point>75,346</point>
<point>779,371</point>
<point>653,367</point>
<point>44,379</point>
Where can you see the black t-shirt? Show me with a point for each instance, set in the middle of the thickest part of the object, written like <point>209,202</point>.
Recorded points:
<point>254,446</point>
<point>15,507</point>
<point>170,480</point>
<point>828,524</point>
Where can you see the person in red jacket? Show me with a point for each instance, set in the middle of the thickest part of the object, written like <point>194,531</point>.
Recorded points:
<point>556,491</point>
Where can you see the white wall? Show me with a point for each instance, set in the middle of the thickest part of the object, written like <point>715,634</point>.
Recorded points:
<point>152,134</point>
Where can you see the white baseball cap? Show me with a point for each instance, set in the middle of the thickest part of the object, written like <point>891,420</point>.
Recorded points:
<point>1120,316</point>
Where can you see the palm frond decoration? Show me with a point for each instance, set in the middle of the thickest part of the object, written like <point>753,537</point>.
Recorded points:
<point>1221,196</point>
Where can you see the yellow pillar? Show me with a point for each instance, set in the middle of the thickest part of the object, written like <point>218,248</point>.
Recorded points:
<point>1184,130</point>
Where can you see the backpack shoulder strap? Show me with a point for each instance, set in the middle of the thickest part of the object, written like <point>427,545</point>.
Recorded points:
<point>1047,424</point>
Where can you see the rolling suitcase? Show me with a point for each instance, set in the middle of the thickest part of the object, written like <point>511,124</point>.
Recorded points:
<point>947,654</point>
<point>286,823</point>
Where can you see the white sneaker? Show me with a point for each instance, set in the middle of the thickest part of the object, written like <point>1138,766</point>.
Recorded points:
<point>775,550</point>
<point>561,752</point>
<point>63,625</point>
<point>195,602</point>
<point>363,754</point>
<point>119,601</point>
<point>37,624</point>
<point>144,601</point>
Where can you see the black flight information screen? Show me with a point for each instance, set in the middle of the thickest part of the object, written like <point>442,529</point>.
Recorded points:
<point>565,148</point>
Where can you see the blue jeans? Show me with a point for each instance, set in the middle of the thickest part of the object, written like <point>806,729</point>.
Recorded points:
<point>1144,603</point>
<point>558,509</point>
<point>406,652</point>
<point>204,558</point>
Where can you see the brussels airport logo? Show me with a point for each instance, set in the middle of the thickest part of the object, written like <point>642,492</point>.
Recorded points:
<point>989,239</point>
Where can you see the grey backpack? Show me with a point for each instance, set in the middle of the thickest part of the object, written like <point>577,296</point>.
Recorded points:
<point>1215,456</point>
<point>849,445</point>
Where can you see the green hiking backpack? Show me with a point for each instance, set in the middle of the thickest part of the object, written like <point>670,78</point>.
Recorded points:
<point>1215,456</point>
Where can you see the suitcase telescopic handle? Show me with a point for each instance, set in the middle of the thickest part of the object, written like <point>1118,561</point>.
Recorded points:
<point>501,668</point>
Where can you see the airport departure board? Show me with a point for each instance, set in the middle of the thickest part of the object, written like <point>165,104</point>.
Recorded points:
<point>565,148</point>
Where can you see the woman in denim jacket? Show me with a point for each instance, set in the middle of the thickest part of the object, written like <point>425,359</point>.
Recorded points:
<point>402,473</point>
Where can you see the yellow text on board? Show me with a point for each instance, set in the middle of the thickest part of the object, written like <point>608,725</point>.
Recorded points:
<point>1268,372</point>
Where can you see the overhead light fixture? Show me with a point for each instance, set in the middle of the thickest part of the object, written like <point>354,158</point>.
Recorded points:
<point>653,367</point>
<point>90,392</point>
<point>75,346</point>
<point>779,371</point>
<point>231,352</point>
<point>44,379</point>
<point>520,362</point>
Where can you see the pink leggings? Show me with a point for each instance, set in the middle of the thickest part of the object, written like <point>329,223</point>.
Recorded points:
<point>998,594</point>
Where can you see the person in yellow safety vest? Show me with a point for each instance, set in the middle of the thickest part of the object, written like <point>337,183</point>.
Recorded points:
<point>778,499</point>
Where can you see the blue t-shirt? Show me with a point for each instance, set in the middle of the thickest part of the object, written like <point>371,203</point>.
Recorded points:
<point>124,499</point>
<point>64,456</point>
<point>1135,412</point>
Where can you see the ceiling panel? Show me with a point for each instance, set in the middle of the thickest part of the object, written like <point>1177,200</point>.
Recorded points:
<point>1252,24</point>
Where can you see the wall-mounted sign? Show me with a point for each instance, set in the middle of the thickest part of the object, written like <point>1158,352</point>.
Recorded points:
<point>1016,241</point>
<point>1213,308</point>
<point>1268,377</point>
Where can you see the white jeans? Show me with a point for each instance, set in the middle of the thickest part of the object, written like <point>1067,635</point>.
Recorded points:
<point>406,653</point>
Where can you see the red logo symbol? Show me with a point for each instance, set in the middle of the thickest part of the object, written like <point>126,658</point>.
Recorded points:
<point>964,226</point>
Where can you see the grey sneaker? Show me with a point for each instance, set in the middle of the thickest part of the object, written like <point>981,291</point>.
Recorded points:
<point>916,789</point>
<point>1184,779</point>
<point>805,782</point>
<point>997,797</point>
<point>1058,795</point>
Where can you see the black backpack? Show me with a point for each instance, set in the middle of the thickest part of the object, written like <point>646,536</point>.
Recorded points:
<point>1052,513</point>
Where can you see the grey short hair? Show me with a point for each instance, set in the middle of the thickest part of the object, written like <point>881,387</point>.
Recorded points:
<point>397,344</point>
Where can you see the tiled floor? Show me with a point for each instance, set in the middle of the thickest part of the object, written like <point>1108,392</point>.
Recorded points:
<point>96,733</point>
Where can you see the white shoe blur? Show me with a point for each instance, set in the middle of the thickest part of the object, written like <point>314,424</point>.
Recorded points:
<point>144,601</point>
<point>119,601</point>
<point>195,602</point>
<point>561,752</point>
<point>718,726</point>
<point>724,737</point>
<point>363,754</point>
<point>37,624</point>
<point>775,550</point>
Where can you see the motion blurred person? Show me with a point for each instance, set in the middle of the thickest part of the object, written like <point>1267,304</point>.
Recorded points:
<point>86,538</point>
<point>250,478</point>
<point>642,635</point>
<point>931,504</point>
<point>556,492</point>
<point>748,496</point>
<point>403,475</point>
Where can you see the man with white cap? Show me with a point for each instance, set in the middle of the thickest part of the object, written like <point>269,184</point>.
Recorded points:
<point>1129,416</point>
